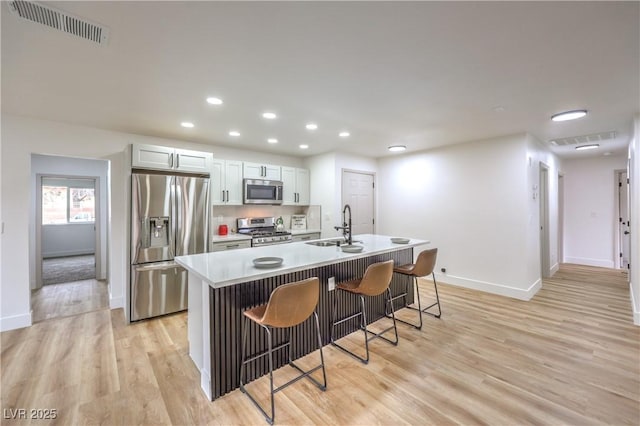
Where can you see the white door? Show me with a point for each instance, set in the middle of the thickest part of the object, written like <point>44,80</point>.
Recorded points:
<point>358,192</point>
<point>623,205</point>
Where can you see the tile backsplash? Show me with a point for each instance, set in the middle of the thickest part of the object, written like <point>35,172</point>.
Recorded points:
<point>227,215</point>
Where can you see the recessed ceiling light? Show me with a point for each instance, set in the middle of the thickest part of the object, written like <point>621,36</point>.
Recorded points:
<point>591,146</point>
<point>397,148</point>
<point>187,124</point>
<point>269,115</point>
<point>569,115</point>
<point>607,153</point>
<point>311,126</point>
<point>499,108</point>
<point>214,101</point>
<point>344,134</point>
<point>234,133</point>
<point>272,140</point>
<point>304,146</point>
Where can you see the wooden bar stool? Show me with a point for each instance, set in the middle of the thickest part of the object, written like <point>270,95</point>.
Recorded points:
<point>375,281</point>
<point>289,305</point>
<point>423,267</point>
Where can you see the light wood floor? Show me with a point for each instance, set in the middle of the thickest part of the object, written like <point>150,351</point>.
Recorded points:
<point>78,297</point>
<point>571,355</point>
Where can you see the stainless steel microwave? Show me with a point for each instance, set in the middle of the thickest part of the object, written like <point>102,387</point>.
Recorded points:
<point>259,191</point>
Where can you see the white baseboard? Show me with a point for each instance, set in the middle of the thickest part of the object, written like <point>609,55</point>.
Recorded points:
<point>555,268</point>
<point>499,289</point>
<point>603,263</point>
<point>116,302</point>
<point>16,321</point>
<point>636,312</point>
<point>66,253</point>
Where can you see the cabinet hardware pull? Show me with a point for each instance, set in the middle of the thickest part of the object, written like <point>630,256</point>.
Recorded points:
<point>233,245</point>
<point>177,161</point>
<point>171,160</point>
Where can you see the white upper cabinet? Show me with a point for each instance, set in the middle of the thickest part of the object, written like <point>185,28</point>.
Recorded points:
<point>226,182</point>
<point>193,161</point>
<point>261,171</point>
<point>295,186</point>
<point>166,158</point>
<point>152,157</point>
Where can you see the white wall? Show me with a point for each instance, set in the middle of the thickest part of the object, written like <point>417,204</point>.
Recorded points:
<point>323,187</point>
<point>537,154</point>
<point>590,220</point>
<point>472,202</point>
<point>23,136</point>
<point>68,240</point>
<point>634,203</point>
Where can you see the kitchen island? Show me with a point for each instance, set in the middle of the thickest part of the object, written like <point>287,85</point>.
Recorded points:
<point>224,284</point>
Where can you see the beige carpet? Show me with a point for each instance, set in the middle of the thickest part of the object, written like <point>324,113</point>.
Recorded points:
<point>58,270</point>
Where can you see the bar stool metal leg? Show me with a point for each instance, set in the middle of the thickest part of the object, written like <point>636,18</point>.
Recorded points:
<point>437,302</point>
<point>269,353</point>
<point>363,327</point>
<point>412,283</point>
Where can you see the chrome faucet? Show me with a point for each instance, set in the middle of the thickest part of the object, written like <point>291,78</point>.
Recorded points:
<point>346,226</point>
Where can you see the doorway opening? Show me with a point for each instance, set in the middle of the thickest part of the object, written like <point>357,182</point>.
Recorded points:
<point>68,246</point>
<point>68,232</point>
<point>544,222</point>
<point>358,190</point>
<point>622,195</point>
<point>560,218</point>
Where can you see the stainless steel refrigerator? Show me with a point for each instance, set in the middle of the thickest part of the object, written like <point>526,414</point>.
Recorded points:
<point>169,217</point>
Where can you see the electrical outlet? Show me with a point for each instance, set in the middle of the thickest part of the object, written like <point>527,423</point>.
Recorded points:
<point>332,283</point>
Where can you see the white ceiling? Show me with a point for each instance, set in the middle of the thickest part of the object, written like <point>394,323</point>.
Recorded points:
<point>423,74</point>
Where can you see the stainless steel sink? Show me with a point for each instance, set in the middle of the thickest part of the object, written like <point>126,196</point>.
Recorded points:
<point>330,243</point>
<point>323,243</point>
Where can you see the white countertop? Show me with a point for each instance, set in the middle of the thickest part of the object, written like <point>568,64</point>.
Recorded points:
<point>225,268</point>
<point>229,237</point>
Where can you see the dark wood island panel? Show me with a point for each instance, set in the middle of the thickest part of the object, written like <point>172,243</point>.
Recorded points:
<point>228,303</point>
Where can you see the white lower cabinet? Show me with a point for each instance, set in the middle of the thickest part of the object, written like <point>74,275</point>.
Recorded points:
<point>230,245</point>
<point>305,237</point>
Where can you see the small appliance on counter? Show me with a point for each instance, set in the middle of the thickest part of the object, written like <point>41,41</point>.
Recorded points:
<point>279,224</point>
<point>298,222</point>
<point>223,230</point>
<point>263,231</point>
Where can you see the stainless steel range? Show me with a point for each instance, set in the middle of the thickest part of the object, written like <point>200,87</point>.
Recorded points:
<point>262,230</point>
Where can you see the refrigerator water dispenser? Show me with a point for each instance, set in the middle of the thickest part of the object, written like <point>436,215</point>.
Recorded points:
<point>158,232</point>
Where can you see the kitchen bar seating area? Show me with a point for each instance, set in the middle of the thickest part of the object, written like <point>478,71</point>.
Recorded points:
<point>223,285</point>
<point>228,292</point>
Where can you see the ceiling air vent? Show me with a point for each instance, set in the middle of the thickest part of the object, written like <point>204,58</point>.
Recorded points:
<point>577,140</point>
<point>59,20</point>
